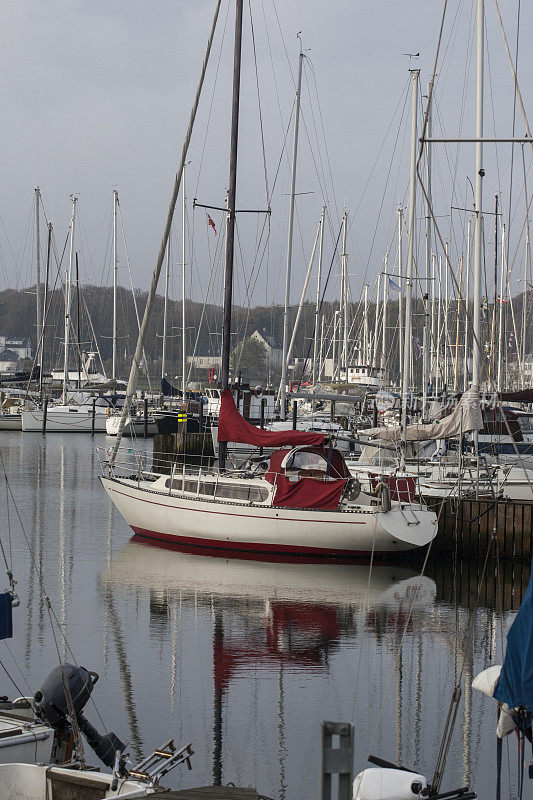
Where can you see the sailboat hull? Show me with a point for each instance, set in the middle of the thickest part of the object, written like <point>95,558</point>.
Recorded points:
<point>266,528</point>
<point>75,420</point>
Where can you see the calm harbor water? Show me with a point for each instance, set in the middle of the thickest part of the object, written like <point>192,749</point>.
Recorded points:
<point>245,658</point>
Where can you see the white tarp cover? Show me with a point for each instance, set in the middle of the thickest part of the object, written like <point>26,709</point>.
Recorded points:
<point>465,417</point>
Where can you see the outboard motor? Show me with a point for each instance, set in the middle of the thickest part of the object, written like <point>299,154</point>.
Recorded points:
<point>50,704</point>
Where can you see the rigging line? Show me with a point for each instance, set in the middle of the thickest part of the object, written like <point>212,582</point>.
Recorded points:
<point>400,642</point>
<point>513,126</point>
<point>40,581</point>
<point>19,668</point>
<point>206,296</point>
<point>47,309</point>
<point>334,256</point>
<point>382,145</point>
<point>422,186</point>
<point>360,654</point>
<point>128,263</point>
<point>259,103</point>
<point>212,100</point>
<point>384,191</point>
<point>332,182</point>
<point>21,693</point>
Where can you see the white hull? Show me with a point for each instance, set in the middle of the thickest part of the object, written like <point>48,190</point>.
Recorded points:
<point>10,422</point>
<point>76,420</point>
<point>195,520</point>
<point>24,740</point>
<point>442,481</point>
<point>40,782</point>
<point>131,428</point>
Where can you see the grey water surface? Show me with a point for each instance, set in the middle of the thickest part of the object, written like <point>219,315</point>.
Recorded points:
<point>244,658</point>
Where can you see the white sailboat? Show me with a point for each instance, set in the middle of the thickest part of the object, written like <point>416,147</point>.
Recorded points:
<point>302,501</point>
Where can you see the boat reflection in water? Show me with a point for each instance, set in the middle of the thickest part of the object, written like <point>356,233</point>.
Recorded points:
<point>266,581</point>
<point>273,616</point>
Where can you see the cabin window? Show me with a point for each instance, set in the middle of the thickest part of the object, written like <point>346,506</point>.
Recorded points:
<point>303,459</point>
<point>240,491</point>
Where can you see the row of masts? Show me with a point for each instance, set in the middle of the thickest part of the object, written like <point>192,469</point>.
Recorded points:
<point>432,327</point>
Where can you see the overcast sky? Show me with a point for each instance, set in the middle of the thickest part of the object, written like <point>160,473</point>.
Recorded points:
<point>96,96</point>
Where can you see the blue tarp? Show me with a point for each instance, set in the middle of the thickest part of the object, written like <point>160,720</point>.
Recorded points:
<point>515,684</point>
<point>6,616</point>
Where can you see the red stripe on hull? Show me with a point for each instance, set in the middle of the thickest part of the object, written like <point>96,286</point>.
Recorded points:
<point>257,547</point>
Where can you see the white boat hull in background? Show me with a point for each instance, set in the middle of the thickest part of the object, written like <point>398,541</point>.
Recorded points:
<point>71,420</point>
<point>25,740</point>
<point>37,782</point>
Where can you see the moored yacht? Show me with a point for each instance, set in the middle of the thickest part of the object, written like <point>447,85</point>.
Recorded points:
<point>301,500</point>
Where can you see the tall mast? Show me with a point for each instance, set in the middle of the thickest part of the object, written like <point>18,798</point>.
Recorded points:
<point>425,338</point>
<point>38,333</point>
<point>438,367</point>
<point>376,324</point>
<point>68,277</point>
<point>115,269</point>
<point>467,309</point>
<point>476,329</point>
<point>446,309</point>
<point>317,307</point>
<point>230,226</point>
<point>384,326</point>
<point>289,241</point>
<point>400,270</point>
<point>345,296</point>
<point>410,257</point>
<point>524,305</point>
<point>78,322</point>
<point>366,346</point>
<point>500,317</point>
<point>139,348</point>
<point>165,313</point>
<point>45,301</point>
<point>183,258</point>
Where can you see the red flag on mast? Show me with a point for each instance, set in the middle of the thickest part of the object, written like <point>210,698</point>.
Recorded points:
<point>211,223</point>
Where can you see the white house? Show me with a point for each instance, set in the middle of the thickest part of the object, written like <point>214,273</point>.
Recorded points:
<point>22,347</point>
<point>272,346</point>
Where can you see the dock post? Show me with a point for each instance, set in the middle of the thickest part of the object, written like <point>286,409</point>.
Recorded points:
<point>145,417</point>
<point>93,418</point>
<point>337,760</point>
<point>45,412</point>
<point>294,414</point>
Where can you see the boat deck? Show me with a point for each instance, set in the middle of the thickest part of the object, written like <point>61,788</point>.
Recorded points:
<point>209,793</point>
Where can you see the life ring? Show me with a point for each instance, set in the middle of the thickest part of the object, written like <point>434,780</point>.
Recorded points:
<point>258,391</point>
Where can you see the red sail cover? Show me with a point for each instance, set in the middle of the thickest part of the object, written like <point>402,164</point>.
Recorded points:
<point>308,493</point>
<point>232,427</point>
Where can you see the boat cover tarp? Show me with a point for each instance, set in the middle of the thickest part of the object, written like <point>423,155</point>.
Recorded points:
<point>308,493</point>
<point>515,684</point>
<point>335,463</point>
<point>464,418</point>
<point>6,616</point>
<point>232,427</point>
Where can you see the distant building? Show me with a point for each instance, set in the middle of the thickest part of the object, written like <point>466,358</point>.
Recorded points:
<point>205,362</point>
<point>22,347</point>
<point>272,346</point>
<point>8,361</point>
<point>528,370</point>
